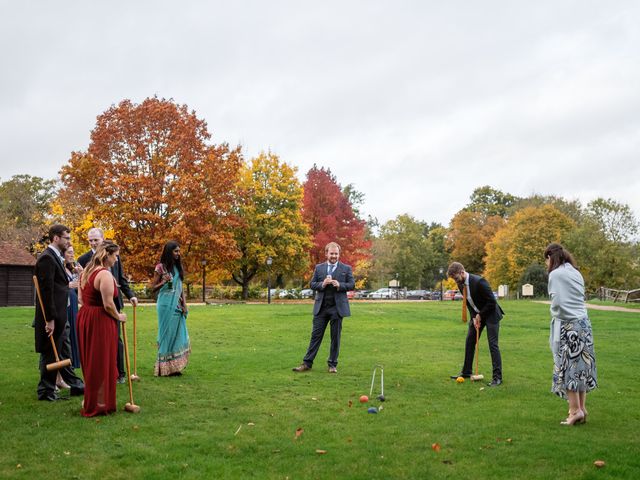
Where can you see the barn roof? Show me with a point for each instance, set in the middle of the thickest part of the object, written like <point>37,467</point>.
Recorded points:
<point>11,254</point>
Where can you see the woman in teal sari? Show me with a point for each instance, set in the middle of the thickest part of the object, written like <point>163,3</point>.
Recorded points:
<point>173,340</point>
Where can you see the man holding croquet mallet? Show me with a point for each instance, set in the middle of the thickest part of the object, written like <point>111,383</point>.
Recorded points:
<point>52,284</point>
<point>484,309</point>
<point>331,281</point>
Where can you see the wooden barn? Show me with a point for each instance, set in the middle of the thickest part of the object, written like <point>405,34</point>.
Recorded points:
<point>16,276</point>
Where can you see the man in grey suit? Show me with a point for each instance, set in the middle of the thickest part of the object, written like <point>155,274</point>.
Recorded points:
<point>331,281</point>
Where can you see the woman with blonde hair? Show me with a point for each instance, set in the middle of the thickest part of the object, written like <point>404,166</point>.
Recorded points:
<point>571,338</point>
<point>98,322</point>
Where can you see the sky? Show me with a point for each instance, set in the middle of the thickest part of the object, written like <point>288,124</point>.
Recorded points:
<point>415,103</point>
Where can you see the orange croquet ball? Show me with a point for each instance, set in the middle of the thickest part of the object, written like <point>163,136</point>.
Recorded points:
<point>364,399</point>
<point>460,380</point>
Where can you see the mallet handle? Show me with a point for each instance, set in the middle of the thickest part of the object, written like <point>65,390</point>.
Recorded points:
<point>44,315</point>
<point>126,357</point>
<point>135,343</point>
<point>477,338</point>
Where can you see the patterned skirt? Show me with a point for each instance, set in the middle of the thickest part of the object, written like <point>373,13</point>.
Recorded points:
<point>574,364</point>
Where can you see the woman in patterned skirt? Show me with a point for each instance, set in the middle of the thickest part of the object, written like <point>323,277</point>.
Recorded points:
<point>571,338</point>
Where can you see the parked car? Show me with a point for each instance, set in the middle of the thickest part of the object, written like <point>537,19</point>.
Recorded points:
<point>361,293</point>
<point>351,294</point>
<point>418,295</point>
<point>385,293</point>
<point>451,295</point>
<point>306,293</point>
<point>435,296</point>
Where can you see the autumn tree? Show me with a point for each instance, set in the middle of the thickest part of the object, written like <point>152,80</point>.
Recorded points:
<point>521,243</point>
<point>151,174</point>
<point>329,212</point>
<point>25,202</point>
<point>469,233</point>
<point>271,225</point>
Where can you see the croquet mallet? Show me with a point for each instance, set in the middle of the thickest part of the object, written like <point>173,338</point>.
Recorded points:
<point>58,364</point>
<point>129,406</point>
<point>477,377</point>
<point>134,375</point>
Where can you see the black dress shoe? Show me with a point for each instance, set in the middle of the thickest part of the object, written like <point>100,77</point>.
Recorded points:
<point>52,398</point>
<point>76,391</point>
<point>495,382</point>
<point>463,375</point>
<point>121,380</point>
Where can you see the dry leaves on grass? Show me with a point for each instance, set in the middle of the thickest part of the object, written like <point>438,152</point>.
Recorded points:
<point>299,431</point>
<point>435,447</point>
<point>599,463</point>
<point>321,452</point>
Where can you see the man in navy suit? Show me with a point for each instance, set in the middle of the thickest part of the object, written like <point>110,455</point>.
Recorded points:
<point>53,283</point>
<point>331,281</point>
<point>485,311</point>
<point>96,238</point>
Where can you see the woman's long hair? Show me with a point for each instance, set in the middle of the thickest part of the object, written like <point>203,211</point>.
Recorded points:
<point>167,260</point>
<point>98,260</point>
<point>558,255</point>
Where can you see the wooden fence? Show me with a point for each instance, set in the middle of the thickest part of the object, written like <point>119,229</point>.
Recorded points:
<point>619,295</point>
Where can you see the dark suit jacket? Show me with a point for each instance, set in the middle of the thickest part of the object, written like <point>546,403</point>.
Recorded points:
<point>118,273</point>
<point>54,288</point>
<point>482,296</point>
<point>343,274</point>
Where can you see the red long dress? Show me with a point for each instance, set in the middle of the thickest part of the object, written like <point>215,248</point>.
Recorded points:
<point>98,342</point>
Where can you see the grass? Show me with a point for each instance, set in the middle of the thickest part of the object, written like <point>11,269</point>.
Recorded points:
<point>235,411</point>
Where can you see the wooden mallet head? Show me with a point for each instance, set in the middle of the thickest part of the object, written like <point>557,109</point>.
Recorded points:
<point>131,408</point>
<point>59,364</point>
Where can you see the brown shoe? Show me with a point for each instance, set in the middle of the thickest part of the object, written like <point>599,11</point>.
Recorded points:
<point>333,370</point>
<point>302,368</point>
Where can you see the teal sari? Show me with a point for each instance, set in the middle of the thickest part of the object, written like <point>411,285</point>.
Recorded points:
<point>173,340</point>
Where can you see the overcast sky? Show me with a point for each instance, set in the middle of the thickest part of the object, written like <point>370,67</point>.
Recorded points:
<point>416,103</point>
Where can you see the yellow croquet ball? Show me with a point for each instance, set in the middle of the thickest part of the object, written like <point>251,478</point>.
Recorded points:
<point>460,380</point>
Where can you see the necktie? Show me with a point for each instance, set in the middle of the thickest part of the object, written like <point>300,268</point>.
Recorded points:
<point>331,269</point>
<point>464,303</point>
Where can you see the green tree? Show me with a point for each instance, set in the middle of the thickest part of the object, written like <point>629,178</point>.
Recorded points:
<point>25,203</point>
<point>616,220</point>
<point>270,211</point>
<point>491,202</point>
<point>410,250</point>
<point>536,275</point>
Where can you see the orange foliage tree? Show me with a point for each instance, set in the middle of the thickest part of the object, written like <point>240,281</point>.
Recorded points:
<point>331,218</point>
<point>151,175</point>
<point>469,232</point>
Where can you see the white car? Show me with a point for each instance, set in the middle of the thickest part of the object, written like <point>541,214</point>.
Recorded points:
<point>383,293</point>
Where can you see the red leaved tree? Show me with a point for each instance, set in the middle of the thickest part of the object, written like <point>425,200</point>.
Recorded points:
<point>331,218</point>
<point>151,175</point>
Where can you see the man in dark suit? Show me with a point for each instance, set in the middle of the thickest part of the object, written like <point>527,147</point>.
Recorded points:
<point>485,311</point>
<point>96,238</point>
<point>53,282</point>
<point>331,281</point>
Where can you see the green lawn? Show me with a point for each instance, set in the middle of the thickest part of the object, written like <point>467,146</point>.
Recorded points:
<point>235,411</point>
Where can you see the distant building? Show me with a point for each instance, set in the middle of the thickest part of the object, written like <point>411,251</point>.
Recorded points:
<point>16,276</point>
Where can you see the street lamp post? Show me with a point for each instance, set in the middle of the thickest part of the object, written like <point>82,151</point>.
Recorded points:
<point>269,262</point>
<point>203,262</point>
<point>441,280</point>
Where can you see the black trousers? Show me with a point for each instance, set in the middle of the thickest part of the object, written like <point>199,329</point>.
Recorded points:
<point>493,329</point>
<point>47,384</point>
<point>328,315</point>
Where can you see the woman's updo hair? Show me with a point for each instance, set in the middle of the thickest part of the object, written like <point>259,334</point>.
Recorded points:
<point>558,255</point>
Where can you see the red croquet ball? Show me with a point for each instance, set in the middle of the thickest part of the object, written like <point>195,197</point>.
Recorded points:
<point>364,399</point>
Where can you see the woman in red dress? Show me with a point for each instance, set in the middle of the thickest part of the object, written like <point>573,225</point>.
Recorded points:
<point>98,322</point>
